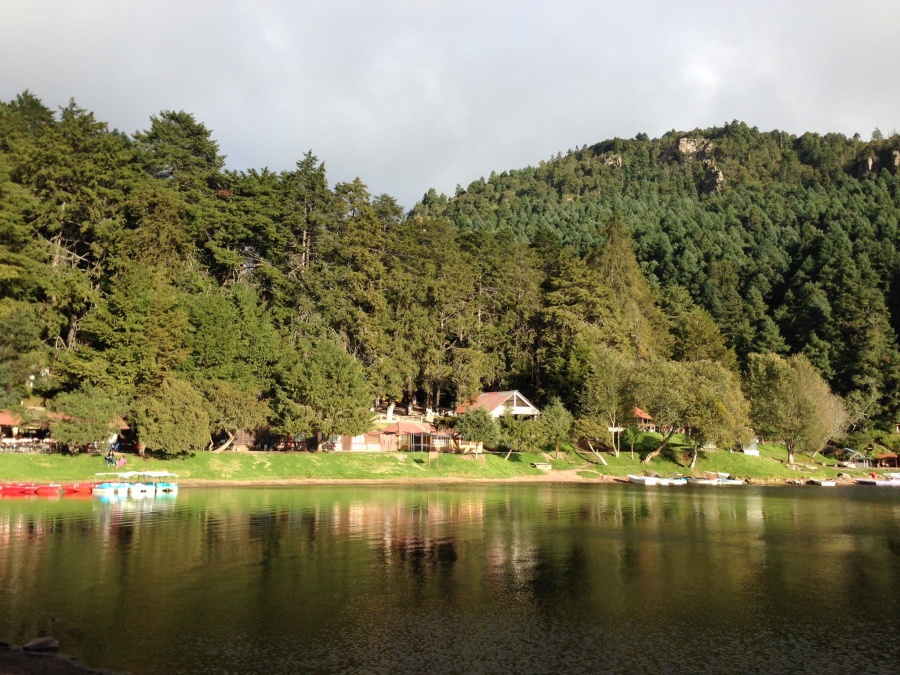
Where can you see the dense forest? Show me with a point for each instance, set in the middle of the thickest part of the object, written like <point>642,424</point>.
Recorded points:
<point>139,277</point>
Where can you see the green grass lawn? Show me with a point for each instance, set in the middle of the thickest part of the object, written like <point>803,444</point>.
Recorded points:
<point>771,465</point>
<point>262,466</point>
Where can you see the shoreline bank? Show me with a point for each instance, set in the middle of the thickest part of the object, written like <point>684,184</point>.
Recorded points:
<point>557,477</point>
<point>17,660</point>
<point>260,469</point>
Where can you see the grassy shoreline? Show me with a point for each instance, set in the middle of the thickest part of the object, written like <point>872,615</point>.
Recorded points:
<point>283,468</point>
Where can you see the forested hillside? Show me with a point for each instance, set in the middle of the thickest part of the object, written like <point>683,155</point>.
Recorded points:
<point>789,242</point>
<point>139,277</point>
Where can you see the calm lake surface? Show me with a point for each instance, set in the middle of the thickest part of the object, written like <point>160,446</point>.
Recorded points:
<point>500,578</point>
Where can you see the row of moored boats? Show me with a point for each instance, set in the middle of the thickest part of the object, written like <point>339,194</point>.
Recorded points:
<point>128,483</point>
<point>889,479</point>
<point>709,479</point>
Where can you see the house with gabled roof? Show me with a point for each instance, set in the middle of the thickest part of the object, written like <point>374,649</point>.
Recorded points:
<point>645,422</point>
<point>498,403</point>
<point>9,424</point>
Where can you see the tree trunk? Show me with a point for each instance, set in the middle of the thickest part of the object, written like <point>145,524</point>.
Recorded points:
<point>225,445</point>
<point>390,411</point>
<point>694,453</point>
<point>71,332</point>
<point>617,437</point>
<point>790,450</point>
<point>304,257</point>
<point>597,454</point>
<point>662,445</point>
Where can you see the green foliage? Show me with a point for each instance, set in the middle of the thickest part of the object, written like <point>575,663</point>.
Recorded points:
<point>716,412</point>
<point>172,418</point>
<point>519,434</point>
<point>231,409</point>
<point>86,415</point>
<point>320,388</point>
<point>695,335</point>
<point>478,426</point>
<point>791,403</point>
<point>126,263</point>
<point>643,323</point>
<point>132,338</point>
<point>555,424</point>
<point>178,147</point>
<point>604,402</point>
<point>23,359</point>
<point>580,311</point>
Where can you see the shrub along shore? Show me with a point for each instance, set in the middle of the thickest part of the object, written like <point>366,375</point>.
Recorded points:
<point>290,468</point>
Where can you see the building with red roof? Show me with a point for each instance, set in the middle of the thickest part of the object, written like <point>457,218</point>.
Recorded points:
<point>7,419</point>
<point>498,403</point>
<point>645,422</point>
<point>415,437</point>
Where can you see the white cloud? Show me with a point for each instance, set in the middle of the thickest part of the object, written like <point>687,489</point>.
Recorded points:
<point>412,94</point>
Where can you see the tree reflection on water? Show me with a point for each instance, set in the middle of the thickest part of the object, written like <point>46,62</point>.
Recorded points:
<point>522,578</point>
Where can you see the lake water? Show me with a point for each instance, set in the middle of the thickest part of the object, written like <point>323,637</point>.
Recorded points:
<point>499,578</point>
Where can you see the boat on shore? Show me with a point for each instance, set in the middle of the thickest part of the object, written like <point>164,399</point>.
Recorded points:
<point>880,482</point>
<point>77,488</point>
<point>656,480</point>
<point>17,489</point>
<point>32,489</point>
<point>135,483</point>
<point>109,484</point>
<point>823,482</point>
<point>159,482</point>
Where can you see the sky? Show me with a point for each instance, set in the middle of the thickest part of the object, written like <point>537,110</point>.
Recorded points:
<point>409,95</point>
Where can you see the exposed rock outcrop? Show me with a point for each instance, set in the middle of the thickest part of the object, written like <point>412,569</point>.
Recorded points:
<point>695,148</point>
<point>613,161</point>
<point>870,164</point>
<point>866,166</point>
<point>700,150</point>
<point>713,179</point>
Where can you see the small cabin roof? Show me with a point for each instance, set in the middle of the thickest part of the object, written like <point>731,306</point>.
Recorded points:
<point>409,427</point>
<point>7,419</point>
<point>492,400</point>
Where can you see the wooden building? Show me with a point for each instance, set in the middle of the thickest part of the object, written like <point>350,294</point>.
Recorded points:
<point>418,437</point>
<point>499,403</point>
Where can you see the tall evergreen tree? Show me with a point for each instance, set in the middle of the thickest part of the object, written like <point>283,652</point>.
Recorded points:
<point>642,320</point>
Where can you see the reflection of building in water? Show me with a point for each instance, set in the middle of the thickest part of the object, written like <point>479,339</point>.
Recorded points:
<point>512,553</point>
<point>754,510</point>
<point>398,527</point>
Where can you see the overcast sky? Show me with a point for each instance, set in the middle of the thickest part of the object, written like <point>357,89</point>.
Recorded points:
<point>413,94</point>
